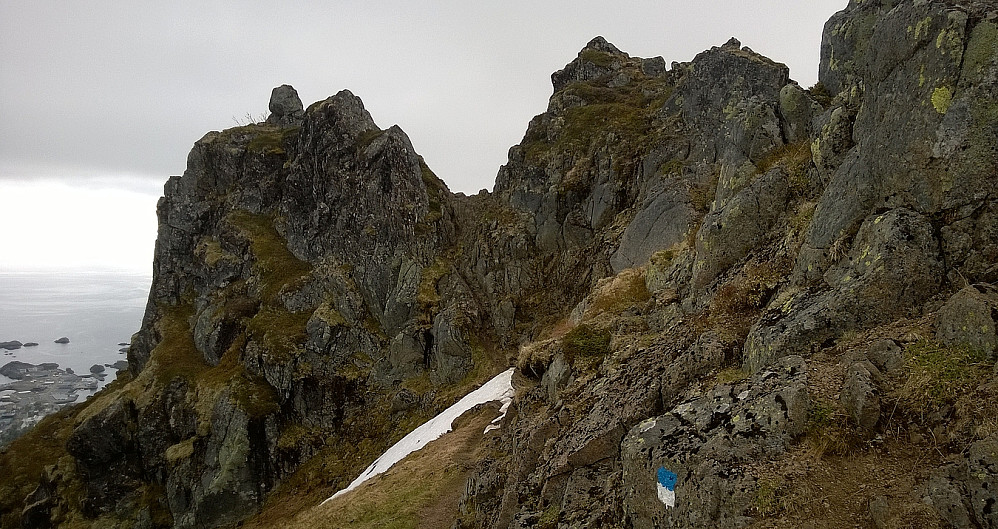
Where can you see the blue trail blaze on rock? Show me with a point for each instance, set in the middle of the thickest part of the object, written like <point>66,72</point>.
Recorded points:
<point>666,487</point>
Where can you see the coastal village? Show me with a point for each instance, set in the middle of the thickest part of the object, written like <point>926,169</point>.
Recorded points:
<point>39,390</point>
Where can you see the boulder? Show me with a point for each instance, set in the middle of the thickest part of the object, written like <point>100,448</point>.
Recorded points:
<point>886,355</point>
<point>96,369</point>
<point>892,267</point>
<point>965,491</point>
<point>62,340</point>
<point>797,112</point>
<point>688,467</point>
<point>285,106</point>
<point>966,320</point>
<point>105,449</point>
<point>11,345</point>
<point>859,395</point>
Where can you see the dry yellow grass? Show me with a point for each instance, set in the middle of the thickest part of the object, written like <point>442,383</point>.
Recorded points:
<point>421,491</point>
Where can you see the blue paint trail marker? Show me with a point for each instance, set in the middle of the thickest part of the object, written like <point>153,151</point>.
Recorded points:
<point>666,487</point>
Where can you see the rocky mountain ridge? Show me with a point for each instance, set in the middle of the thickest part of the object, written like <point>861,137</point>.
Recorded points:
<point>700,270</point>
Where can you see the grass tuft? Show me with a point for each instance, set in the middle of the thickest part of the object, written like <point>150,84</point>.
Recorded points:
<point>936,375</point>
<point>827,429</point>
<point>586,341</point>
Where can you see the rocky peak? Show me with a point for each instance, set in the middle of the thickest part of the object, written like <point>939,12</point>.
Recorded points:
<point>600,44</point>
<point>285,106</point>
<point>596,59</point>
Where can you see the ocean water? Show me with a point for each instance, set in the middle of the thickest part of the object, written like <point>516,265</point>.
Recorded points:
<point>96,310</point>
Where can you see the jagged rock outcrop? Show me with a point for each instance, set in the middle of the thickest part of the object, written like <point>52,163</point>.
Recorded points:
<point>707,276</point>
<point>704,441</point>
<point>826,217</point>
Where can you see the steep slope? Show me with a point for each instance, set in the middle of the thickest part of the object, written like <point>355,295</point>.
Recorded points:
<point>836,298</point>
<point>732,302</point>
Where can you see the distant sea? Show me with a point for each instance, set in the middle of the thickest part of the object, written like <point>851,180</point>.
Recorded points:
<point>96,310</point>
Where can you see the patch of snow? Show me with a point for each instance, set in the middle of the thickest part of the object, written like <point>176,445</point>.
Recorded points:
<point>507,399</point>
<point>499,388</point>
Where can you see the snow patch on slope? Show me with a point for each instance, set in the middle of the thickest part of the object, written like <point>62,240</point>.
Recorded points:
<point>499,388</point>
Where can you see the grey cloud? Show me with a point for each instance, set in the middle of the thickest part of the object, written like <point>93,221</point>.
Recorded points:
<point>126,88</point>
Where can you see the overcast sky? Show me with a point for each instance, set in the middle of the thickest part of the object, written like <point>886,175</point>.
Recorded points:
<point>111,95</point>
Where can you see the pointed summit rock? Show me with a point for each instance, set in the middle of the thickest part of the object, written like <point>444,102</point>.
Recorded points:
<point>597,59</point>
<point>600,44</point>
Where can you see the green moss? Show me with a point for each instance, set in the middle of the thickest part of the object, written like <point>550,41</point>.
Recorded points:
<point>821,94</point>
<point>766,501</point>
<point>280,331</point>
<point>791,156</point>
<point>599,58</point>
<point>550,517</point>
<point>663,258</point>
<point>623,117</point>
<point>672,167</point>
<point>435,192</point>
<point>263,138</point>
<point>732,375</point>
<point>980,50</point>
<point>627,289</point>
<point>586,341</point>
<point>275,265</point>
<point>250,392</point>
<point>175,355</point>
<point>427,295</point>
<point>24,460</point>
<point>702,195</point>
<point>827,428</point>
<point>330,315</point>
<point>211,251</point>
<point>364,139</point>
<point>583,123</point>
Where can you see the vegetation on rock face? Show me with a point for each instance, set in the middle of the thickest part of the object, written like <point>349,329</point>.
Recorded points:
<point>585,341</point>
<point>25,460</point>
<point>281,331</point>
<point>623,119</point>
<point>278,268</point>
<point>828,430</point>
<point>263,138</point>
<point>795,159</point>
<point>935,375</point>
<point>435,190</point>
